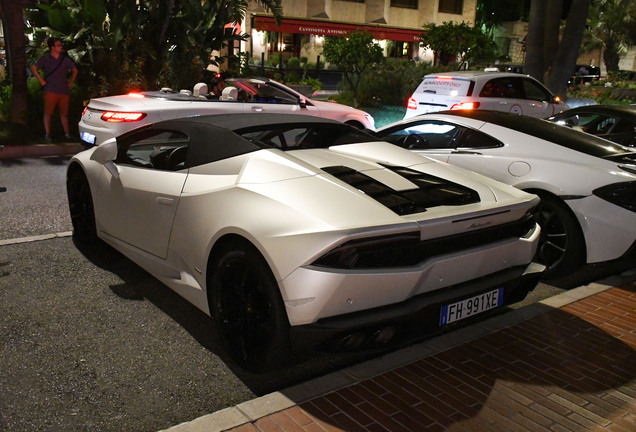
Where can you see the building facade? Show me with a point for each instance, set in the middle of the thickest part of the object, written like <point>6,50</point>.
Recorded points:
<point>395,24</point>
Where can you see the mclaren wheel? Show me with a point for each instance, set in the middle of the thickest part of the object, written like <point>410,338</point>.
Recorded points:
<point>561,245</point>
<point>248,309</point>
<point>80,202</point>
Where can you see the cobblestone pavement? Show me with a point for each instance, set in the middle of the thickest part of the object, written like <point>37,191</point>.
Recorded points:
<point>570,367</point>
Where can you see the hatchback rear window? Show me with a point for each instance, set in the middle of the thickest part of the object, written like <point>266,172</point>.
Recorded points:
<point>446,85</point>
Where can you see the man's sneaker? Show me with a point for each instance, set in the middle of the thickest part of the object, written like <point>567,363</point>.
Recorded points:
<point>69,137</point>
<point>47,138</point>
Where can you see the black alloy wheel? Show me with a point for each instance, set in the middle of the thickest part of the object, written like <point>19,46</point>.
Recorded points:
<point>561,245</point>
<point>80,202</point>
<point>248,309</point>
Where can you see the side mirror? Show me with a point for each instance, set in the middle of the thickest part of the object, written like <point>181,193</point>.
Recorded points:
<point>302,102</point>
<point>105,152</point>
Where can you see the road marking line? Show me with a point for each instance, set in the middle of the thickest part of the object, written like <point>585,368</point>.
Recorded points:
<point>35,238</point>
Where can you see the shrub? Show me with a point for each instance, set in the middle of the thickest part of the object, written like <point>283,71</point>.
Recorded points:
<point>293,63</point>
<point>35,124</point>
<point>603,92</point>
<point>393,82</point>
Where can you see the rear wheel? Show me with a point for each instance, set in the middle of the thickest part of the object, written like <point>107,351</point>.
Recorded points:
<point>561,245</point>
<point>80,202</point>
<point>248,309</point>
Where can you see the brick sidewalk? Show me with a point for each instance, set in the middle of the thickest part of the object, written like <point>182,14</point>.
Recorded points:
<point>570,369</point>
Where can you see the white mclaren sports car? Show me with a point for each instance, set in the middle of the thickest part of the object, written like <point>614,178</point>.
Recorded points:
<point>303,232</point>
<point>587,184</point>
<point>111,116</point>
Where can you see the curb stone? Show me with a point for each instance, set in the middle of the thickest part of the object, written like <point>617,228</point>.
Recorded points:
<point>39,150</point>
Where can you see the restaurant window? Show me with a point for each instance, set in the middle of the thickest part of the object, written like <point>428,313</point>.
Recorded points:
<point>411,4</point>
<point>451,6</point>
<point>399,49</point>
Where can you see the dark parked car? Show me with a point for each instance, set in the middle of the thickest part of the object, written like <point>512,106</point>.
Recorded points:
<point>613,122</point>
<point>584,74</point>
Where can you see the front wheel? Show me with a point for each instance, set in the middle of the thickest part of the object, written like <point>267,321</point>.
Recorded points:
<point>248,309</point>
<point>561,244</point>
<point>80,202</point>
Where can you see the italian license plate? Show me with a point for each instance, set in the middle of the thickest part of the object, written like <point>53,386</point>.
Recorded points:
<point>471,306</point>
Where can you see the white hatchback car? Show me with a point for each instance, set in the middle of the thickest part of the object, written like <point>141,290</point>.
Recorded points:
<point>497,91</point>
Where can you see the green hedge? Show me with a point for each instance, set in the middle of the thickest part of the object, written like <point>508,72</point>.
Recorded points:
<point>35,128</point>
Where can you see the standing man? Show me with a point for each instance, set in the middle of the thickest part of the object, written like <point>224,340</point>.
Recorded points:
<point>55,66</point>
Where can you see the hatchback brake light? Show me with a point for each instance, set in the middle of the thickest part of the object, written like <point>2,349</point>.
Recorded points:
<point>465,105</point>
<point>412,104</point>
<point>118,117</point>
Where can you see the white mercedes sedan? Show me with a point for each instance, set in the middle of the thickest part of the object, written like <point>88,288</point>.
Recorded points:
<point>295,232</point>
<point>587,185</point>
<point>111,116</point>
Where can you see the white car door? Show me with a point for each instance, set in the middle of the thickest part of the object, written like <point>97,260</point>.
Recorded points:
<point>139,204</point>
<point>262,97</point>
<point>503,94</point>
<point>537,99</point>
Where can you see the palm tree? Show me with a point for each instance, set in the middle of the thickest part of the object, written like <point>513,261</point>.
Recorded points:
<point>611,27</point>
<point>124,41</point>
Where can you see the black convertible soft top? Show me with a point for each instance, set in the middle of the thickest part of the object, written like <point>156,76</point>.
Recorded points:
<point>214,137</point>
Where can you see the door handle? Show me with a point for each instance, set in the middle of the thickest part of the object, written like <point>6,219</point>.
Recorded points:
<point>165,201</point>
<point>257,108</point>
<point>465,152</point>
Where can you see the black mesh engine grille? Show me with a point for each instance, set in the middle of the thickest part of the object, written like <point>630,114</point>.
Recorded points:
<point>430,191</point>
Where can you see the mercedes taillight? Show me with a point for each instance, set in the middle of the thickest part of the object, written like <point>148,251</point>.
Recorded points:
<point>119,117</point>
<point>465,105</point>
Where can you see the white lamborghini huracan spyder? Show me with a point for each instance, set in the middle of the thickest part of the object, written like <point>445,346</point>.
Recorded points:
<point>293,231</point>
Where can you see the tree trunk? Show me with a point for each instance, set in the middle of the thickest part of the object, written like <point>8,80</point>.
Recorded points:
<point>611,57</point>
<point>547,59</point>
<point>565,60</point>
<point>14,36</point>
<point>552,29</point>
<point>535,39</point>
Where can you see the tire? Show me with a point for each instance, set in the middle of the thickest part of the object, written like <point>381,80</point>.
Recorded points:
<point>561,244</point>
<point>80,202</point>
<point>248,309</point>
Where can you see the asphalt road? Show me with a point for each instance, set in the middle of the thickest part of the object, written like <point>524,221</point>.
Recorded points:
<point>89,341</point>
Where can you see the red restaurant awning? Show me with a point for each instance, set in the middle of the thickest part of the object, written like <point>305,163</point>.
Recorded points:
<point>331,28</point>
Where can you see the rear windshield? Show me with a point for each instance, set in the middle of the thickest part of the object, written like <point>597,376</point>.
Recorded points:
<point>445,85</point>
<point>290,136</point>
